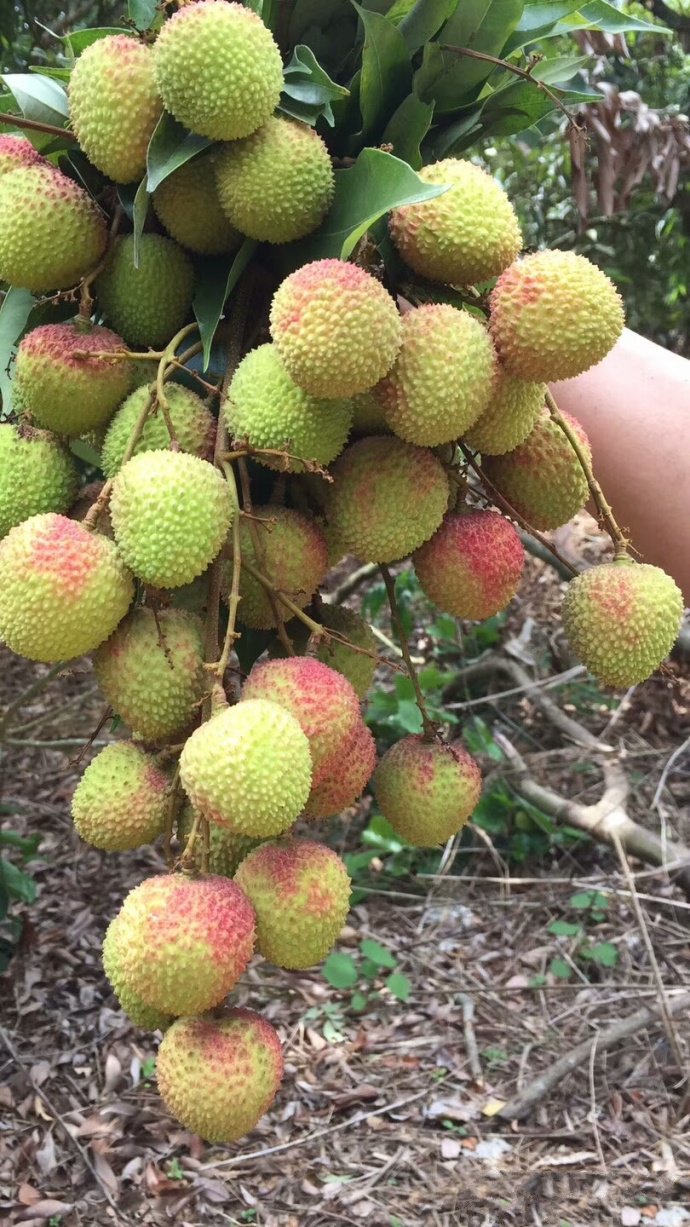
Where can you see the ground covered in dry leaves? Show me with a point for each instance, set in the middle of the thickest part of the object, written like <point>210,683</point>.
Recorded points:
<point>388,1117</point>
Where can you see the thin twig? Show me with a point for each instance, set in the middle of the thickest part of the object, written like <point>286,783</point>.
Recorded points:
<point>30,693</point>
<point>427,723</point>
<point>525,73</point>
<point>85,297</point>
<point>604,512</point>
<point>231,635</point>
<point>671,762</point>
<point>470,1037</point>
<point>593,1108</point>
<point>33,125</point>
<point>259,553</point>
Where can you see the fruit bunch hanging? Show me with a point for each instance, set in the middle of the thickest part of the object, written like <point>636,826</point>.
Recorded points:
<point>369,402</point>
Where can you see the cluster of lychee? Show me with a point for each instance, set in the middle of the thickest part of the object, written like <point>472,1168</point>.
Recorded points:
<point>367,406</point>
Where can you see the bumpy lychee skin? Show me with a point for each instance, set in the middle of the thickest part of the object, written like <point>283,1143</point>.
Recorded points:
<point>292,553</point>
<point>249,768</point>
<point>226,850</point>
<point>171,513</point>
<point>17,151</point>
<point>149,302</point>
<point>219,69</point>
<point>144,1016</point>
<point>151,671</point>
<point>277,185</point>
<point>469,233</point>
<point>442,379</point>
<point>622,619</point>
<point>121,800</point>
<point>193,423</point>
<point>114,105</point>
<point>554,314</point>
<point>343,775</point>
<point>219,1076</point>
<point>336,329</point>
<point>472,566</point>
<point>51,232</point>
<point>427,791</point>
<point>542,478</point>
<point>183,942</point>
<point>357,667</point>
<point>300,892</point>
<point>64,392</point>
<point>63,590</point>
<point>187,204</point>
<point>512,412</point>
<point>387,499</point>
<point>267,409</point>
<point>37,475</point>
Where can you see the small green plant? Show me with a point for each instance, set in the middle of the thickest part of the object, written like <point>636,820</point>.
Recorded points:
<point>360,973</point>
<point>148,1069</point>
<point>330,1018</point>
<point>592,907</point>
<point>174,1171</point>
<point>16,886</point>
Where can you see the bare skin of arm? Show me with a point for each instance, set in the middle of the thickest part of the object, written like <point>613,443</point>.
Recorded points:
<point>635,407</point>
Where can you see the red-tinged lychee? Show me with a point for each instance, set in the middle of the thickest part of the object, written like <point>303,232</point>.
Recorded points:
<point>343,775</point>
<point>336,329</point>
<point>471,567</point>
<point>554,314</point>
<point>426,790</point>
<point>622,619</point>
<point>226,850</point>
<point>63,590</point>
<point>16,151</point>
<point>51,231</point>
<point>151,672</point>
<point>183,942</point>
<point>300,892</point>
<point>142,1015</point>
<point>219,1076</point>
<point>510,415</point>
<point>388,497</point>
<point>121,800</point>
<point>543,479</point>
<point>290,550</point>
<point>357,666</point>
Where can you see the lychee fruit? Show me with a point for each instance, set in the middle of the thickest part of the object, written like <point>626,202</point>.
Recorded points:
<point>121,800</point>
<point>292,554</point>
<point>37,475</point>
<point>17,151</point>
<point>187,204</point>
<point>509,417</point>
<point>542,479</point>
<point>147,302</point>
<point>51,231</point>
<point>357,667</point>
<point>427,791</point>
<point>472,566</point>
<point>193,423</point>
<point>144,1016</point>
<point>343,775</point>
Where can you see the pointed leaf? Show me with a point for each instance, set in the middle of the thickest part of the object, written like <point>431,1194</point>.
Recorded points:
<point>79,40</point>
<point>423,19</point>
<point>142,13</point>
<point>14,313</point>
<point>480,25</point>
<point>602,16</point>
<point>215,281</point>
<point>39,98</point>
<point>169,148</point>
<point>308,91</point>
<point>407,128</point>
<point>386,70</point>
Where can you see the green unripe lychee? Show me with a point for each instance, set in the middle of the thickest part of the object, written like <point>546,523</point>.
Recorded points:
<point>292,553</point>
<point>277,185</point>
<point>114,105</point>
<point>193,423</point>
<point>226,850</point>
<point>472,566</point>
<point>171,513</point>
<point>37,474</point>
<point>151,671</point>
<point>469,233</point>
<point>121,800</point>
<point>357,667</point>
<point>63,590</point>
<point>51,232</point>
<point>300,892</point>
<point>426,790</point>
<point>509,417</point>
<point>144,1016</point>
<point>150,302</point>
<point>622,619</point>
<point>265,408</point>
<point>219,69</point>
<point>336,329</point>
<point>187,204</point>
<point>387,498</point>
<point>442,378</point>
<point>553,315</point>
<point>542,479</point>
<point>17,151</point>
<point>219,1076</point>
<point>183,943</point>
<point>64,391</point>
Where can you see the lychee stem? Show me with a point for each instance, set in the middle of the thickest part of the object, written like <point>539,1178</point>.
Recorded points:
<point>85,297</point>
<point>170,816</point>
<point>525,73</point>
<point>163,373</point>
<point>231,635</point>
<point>259,552</point>
<point>427,723</point>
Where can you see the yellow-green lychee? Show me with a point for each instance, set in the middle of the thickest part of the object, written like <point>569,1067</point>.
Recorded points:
<point>121,800</point>
<point>472,566</point>
<point>63,590</point>
<point>277,184</point>
<point>219,1076</point>
<point>192,421</point>
<point>37,474</point>
<point>219,69</point>
<point>51,231</point>
<point>65,380</point>
<point>265,408</point>
<point>151,671</point>
<point>170,513</point>
<point>542,479</point>
<point>442,379</point>
<point>426,790</point>
<point>300,892</point>
<point>554,314</point>
<point>622,619</point>
<point>183,942</point>
<point>468,234</point>
<point>226,850</point>
<point>142,1015</point>
<point>357,667</point>
<point>17,151</point>
<point>336,329</point>
<point>248,768</point>
<point>343,775</point>
<point>291,552</point>
<point>114,105</point>
<point>388,497</point>
<point>187,204</point>
<point>511,413</point>
<point>147,302</point>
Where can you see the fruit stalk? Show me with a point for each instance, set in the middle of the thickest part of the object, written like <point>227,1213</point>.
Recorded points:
<point>428,725</point>
<point>258,550</point>
<point>604,511</point>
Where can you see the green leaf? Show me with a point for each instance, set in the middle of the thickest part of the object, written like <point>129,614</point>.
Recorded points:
<point>378,954</point>
<point>386,71</point>
<point>380,834</point>
<point>308,91</point>
<point>169,148</point>
<point>399,986</point>
<point>564,928</point>
<point>560,969</point>
<point>409,716</point>
<point>14,314</point>
<point>340,970</point>
<point>603,953</point>
<point>142,12</point>
<point>407,128</point>
<point>140,212</point>
<point>86,452</point>
<point>451,79</point>
<point>601,16</point>
<point>589,899</point>
<point>17,884</point>
<point>538,14</point>
<point>369,969</point>
<point>560,68</point>
<point>79,40</point>
<point>423,19</point>
<point>214,285</point>
<point>359,1001</point>
<point>39,98</point>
